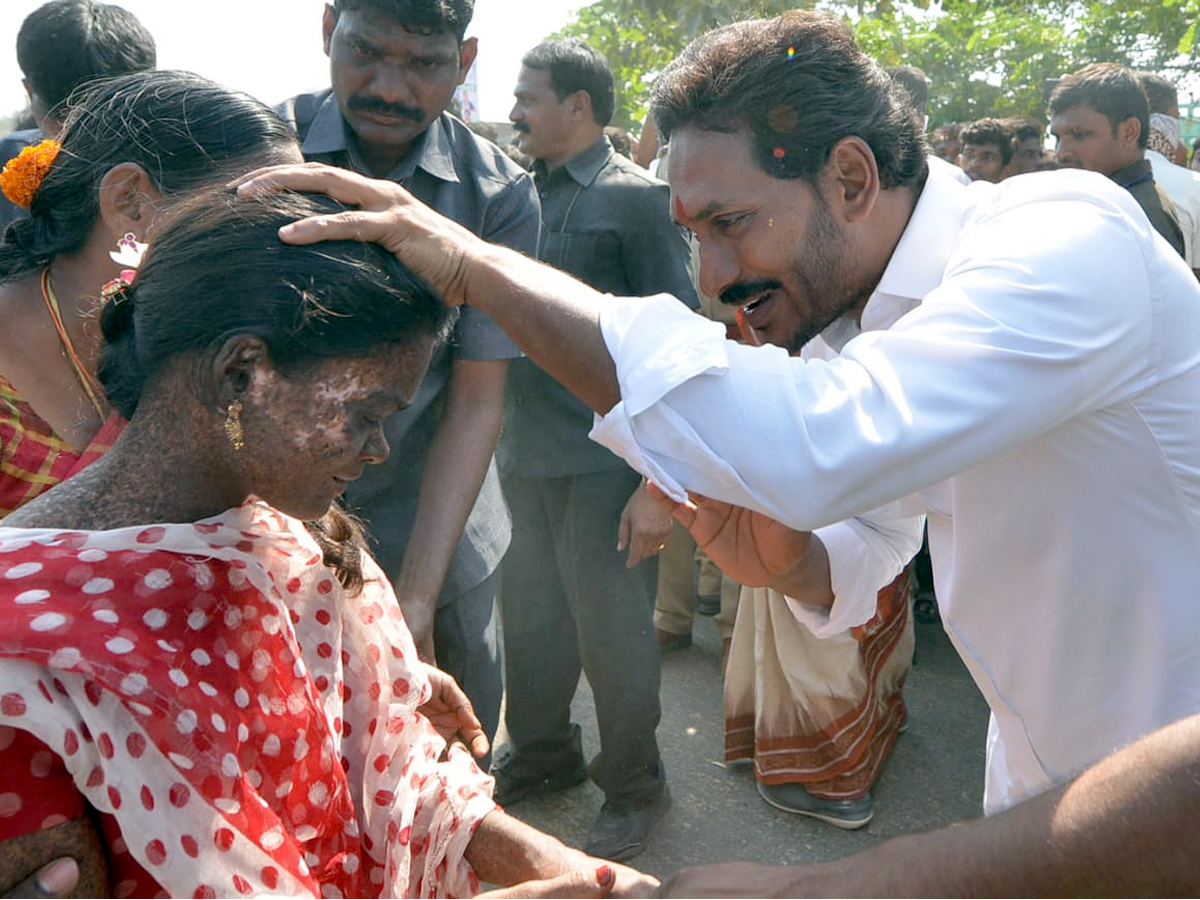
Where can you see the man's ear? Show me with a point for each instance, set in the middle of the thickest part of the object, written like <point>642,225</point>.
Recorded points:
<point>329,21</point>
<point>1130,130</point>
<point>126,198</point>
<point>855,177</point>
<point>233,367</point>
<point>466,57</point>
<point>581,106</point>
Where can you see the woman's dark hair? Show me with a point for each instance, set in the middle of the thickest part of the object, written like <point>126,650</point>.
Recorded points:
<point>796,84</point>
<point>217,268</point>
<point>184,130</point>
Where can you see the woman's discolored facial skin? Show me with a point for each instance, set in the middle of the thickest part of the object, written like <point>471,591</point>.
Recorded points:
<point>308,433</point>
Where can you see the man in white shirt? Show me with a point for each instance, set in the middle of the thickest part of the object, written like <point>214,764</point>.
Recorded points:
<point>1017,361</point>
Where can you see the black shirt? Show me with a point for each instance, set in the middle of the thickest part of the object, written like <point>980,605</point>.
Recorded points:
<point>1138,179</point>
<point>606,221</point>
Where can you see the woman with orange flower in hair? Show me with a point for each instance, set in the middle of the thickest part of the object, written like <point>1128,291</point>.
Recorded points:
<point>135,145</point>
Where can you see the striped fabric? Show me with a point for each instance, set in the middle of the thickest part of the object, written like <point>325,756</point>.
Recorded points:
<point>33,458</point>
<point>820,712</point>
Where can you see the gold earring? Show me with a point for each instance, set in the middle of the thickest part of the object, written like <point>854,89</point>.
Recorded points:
<point>233,425</point>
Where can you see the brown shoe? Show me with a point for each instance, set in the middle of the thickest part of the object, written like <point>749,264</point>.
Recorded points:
<point>668,641</point>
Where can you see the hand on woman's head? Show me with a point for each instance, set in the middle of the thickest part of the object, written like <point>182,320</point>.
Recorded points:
<point>382,212</point>
<point>296,354</point>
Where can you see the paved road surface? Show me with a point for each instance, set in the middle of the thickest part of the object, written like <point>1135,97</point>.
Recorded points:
<point>934,777</point>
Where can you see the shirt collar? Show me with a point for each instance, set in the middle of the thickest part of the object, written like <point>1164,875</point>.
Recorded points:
<point>585,166</point>
<point>918,262</point>
<point>431,151</point>
<point>1134,173</point>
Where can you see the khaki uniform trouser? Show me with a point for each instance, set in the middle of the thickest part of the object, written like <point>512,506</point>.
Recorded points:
<point>684,571</point>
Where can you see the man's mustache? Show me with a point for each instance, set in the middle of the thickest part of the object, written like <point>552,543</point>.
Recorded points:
<point>521,127</point>
<point>737,294</point>
<point>382,107</point>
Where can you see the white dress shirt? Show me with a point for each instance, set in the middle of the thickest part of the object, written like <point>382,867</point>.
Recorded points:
<point>1182,187</point>
<point>1040,402</point>
<point>955,172</point>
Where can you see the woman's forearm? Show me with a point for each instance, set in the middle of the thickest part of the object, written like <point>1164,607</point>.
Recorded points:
<point>506,851</point>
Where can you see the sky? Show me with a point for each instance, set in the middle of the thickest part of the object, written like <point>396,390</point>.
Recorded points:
<point>272,48</point>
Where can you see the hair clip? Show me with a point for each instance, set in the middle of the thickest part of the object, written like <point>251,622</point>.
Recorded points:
<point>114,289</point>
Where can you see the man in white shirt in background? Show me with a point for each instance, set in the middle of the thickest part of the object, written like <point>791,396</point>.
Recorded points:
<point>1017,362</point>
<point>1182,186</point>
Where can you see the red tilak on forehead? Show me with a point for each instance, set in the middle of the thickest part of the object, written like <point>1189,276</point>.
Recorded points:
<point>678,209</point>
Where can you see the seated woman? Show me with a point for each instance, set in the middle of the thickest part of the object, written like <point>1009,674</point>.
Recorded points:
<point>131,147</point>
<point>242,715</point>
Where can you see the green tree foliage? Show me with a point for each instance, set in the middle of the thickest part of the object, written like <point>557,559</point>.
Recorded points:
<point>983,57</point>
<point>637,44</point>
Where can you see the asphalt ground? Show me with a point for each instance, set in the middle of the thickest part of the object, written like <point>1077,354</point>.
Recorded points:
<point>933,778</point>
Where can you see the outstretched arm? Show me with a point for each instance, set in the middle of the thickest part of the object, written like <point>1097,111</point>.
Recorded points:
<point>1125,827</point>
<point>548,314</point>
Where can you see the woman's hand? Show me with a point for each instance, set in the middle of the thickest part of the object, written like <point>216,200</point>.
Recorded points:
<point>606,879</point>
<point>426,242</point>
<point>451,712</point>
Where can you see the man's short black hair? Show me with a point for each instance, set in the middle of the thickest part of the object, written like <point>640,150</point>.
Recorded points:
<point>1025,128</point>
<point>914,83</point>
<point>66,43</point>
<point>575,65</point>
<point>1111,90</point>
<point>950,131</point>
<point>796,85</point>
<point>420,16</point>
<point>990,131</point>
<point>1161,93</point>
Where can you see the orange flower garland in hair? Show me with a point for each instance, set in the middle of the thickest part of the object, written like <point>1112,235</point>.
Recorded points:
<point>23,174</point>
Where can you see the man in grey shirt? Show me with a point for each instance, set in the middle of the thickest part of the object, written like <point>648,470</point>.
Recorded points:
<point>568,599</point>
<point>436,517</point>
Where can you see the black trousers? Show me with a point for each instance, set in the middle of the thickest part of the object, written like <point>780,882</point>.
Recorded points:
<point>467,646</point>
<point>567,604</point>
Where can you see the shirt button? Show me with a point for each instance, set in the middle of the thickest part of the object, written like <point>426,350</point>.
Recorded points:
<point>544,194</point>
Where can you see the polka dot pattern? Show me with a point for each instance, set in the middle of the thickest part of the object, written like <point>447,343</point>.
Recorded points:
<point>216,692</point>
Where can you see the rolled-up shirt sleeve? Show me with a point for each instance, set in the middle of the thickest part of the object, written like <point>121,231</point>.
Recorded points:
<point>866,553</point>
